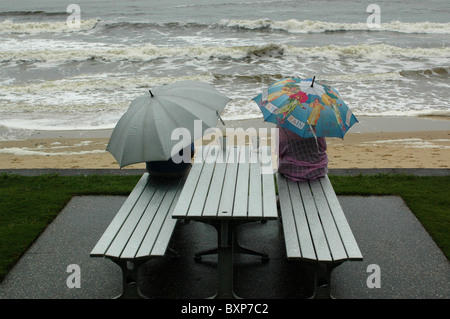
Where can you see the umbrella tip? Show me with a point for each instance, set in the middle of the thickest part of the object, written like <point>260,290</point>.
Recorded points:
<point>151,93</point>
<point>312,83</point>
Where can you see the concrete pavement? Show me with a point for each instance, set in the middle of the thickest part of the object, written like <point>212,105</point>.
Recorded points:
<point>395,246</point>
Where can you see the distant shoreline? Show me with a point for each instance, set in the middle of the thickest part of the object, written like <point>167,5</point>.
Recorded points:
<point>366,124</point>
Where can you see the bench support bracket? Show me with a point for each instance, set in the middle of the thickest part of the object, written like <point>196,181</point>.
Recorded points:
<point>322,280</point>
<point>130,289</point>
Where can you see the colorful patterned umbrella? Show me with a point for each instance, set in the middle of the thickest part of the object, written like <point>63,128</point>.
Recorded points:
<point>306,107</point>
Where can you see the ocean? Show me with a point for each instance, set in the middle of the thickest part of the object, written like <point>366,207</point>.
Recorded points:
<point>77,66</point>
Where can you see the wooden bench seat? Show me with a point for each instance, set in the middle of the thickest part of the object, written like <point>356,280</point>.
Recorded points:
<point>141,229</point>
<point>315,228</point>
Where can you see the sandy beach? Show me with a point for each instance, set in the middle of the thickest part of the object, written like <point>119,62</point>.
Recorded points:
<point>371,143</point>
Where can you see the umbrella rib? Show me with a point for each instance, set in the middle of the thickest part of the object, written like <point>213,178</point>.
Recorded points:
<point>209,109</point>
<point>168,116</point>
<point>175,120</point>
<point>198,102</point>
<point>308,113</point>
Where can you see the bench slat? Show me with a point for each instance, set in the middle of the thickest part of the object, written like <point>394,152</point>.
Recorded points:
<point>333,238</point>
<point>108,236</point>
<point>150,218</point>
<point>160,231</point>
<point>165,234</point>
<point>346,233</point>
<point>289,229</point>
<point>124,234</point>
<point>303,233</point>
<point>315,226</point>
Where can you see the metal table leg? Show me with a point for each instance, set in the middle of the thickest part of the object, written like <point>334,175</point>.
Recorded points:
<point>237,247</point>
<point>225,261</point>
<point>226,247</point>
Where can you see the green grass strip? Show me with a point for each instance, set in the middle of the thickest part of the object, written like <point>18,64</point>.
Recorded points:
<point>29,204</point>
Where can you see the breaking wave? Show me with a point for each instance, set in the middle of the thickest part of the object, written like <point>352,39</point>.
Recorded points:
<point>433,72</point>
<point>32,13</point>
<point>151,52</point>
<point>290,26</point>
<point>310,26</point>
<point>9,26</point>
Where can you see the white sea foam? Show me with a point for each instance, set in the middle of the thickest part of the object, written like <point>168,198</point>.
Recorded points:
<point>87,93</point>
<point>363,77</point>
<point>29,152</point>
<point>290,26</point>
<point>310,26</point>
<point>98,82</point>
<point>408,113</point>
<point>150,52</point>
<point>99,102</point>
<point>368,51</point>
<point>9,26</point>
<point>409,142</point>
<point>59,121</point>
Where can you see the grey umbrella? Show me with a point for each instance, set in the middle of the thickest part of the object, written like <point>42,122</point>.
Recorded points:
<point>144,132</point>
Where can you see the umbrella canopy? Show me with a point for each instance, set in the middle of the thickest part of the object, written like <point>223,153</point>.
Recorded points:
<point>306,107</point>
<point>144,132</point>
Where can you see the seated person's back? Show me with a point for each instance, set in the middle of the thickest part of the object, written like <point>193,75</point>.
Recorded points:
<point>169,168</point>
<point>300,158</point>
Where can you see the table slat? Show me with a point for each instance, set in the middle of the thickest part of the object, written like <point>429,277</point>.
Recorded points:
<point>204,180</point>
<point>215,190</point>
<point>241,205</point>
<point>229,184</point>
<point>255,207</point>
<point>268,184</point>
<point>184,202</point>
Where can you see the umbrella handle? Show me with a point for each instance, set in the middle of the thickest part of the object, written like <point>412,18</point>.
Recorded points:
<point>312,83</point>
<point>220,118</point>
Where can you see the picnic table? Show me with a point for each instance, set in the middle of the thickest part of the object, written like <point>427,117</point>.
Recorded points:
<point>227,187</point>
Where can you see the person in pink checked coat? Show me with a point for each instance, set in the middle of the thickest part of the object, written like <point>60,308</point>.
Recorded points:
<point>301,159</point>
